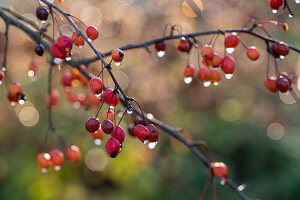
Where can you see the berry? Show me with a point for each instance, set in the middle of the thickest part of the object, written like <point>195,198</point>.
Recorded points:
<point>228,65</point>
<point>92,124</point>
<point>160,46</point>
<point>54,98</point>
<point>189,71</point>
<point>75,74</point>
<point>32,66</point>
<point>215,75</point>
<point>183,45</point>
<point>98,135</point>
<point>117,55</point>
<point>107,126</point>
<point>204,74</point>
<point>207,52</point>
<point>282,49</point>
<point>56,52</point>
<point>219,169</point>
<point>13,100</point>
<point>216,60</point>
<point>66,80</point>
<point>231,41</point>
<point>110,97</point>
<point>109,115</point>
<point>153,137</point>
<point>39,49</point>
<point>15,89</point>
<point>42,13</point>
<point>270,83</point>
<point>282,84</point>
<point>78,40</point>
<point>92,32</point>
<point>43,159</point>
<point>73,153</point>
<point>96,85</point>
<point>64,43</point>
<point>285,75</point>
<point>253,53</point>
<point>141,132</point>
<point>112,147</point>
<point>118,133</point>
<point>1,75</point>
<point>275,4</point>
<point>57,157</point>
<point>130,129</point>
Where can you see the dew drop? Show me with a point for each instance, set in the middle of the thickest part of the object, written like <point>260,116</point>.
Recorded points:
<point>129,112</point>
<point>44,21</point>
<point>98,95</point>
<point>57,168</point>
<point>144,142</point>
<point>206,83</point>
<point>57,61</point>
<point>44,170</point>
<point>161,54</point>
<point>216,83</point>
<point>112,107</point>
<point>3,68</point>
<point>13,103</point>
<point>228,76</point>
<point>76,105</point>
<point>187,80</point>
<point>152,145</point>
<point>230,50</point>
<point>21,101</point>
<point>274,11</point>
<point>80,47</point>
<point>30,73</point>
<point>90,40</point>
<point>297,1</point>
<point>98,142</point>
<point>282,57</point>
<point>0,82</point>
<point>68,58</point>
<point>291,15</point>
<point>118,63</point>
<point>222,182</point>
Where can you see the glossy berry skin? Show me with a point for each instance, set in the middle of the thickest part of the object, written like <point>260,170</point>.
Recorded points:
<point>66,80</point>
<point>183,45</point>
<point>92,32</point>
<point>204,74</point>
<point>285,75</point>
<point>283,84</point>
<point>141,132</point>
<point>275,4</point>
<point>110,97</point>
<point>253,53</point>
<point>216,75</point>
<point>231,41</point>
<point>64,43</point>
<point>207,52</point>
<point>1,75</point>
<point>130,129</point>
<point>54,99</point>
<point>219,169</point>
<point>107,126</point>
<point>109,115</point>
<point>13,100</point>
<point>160,46</point>
<point>15,89</point>
<point>98,135</point>
<point>117,55</point>
<point>92,124</point>
<point>282,49</point>
<point>118,133</point>
<point>96,85</point>
<point>56,52</point>
<point>216,60</point>
<point>188,71</point>
<point>42,13</point>
<point>112,147</point>
<point>78,41</point>
<point>39,49</point>
<point>43,159</point>
<point>271,84</point>
<point>57,157</point>
<point>153,137</point>
<point>73,153</point>
<point>228,65</point>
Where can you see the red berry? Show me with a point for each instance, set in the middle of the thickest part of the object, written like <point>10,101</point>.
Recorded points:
<point>275,4</point>
<point>110,97</point>
<point>117,55</point>
<point>216,60</point>
<point>130,129</point>
<point>160,46</point>
<point>109,115</point>
<point>73,153</point>
<point>153,137</point>
<point>207,52</point>
<point>283,84</point>
<point>92,124</point>
<point>107,126</point>
<point>228,65</point>
<point>118,133</point>
<point>56,52</point>
<point>204,74</point>
<point>96,85</point>
<point>13,100</point>
<point>15,89</point>
<point>231,41</point>
<point>43,159</point>
<point>1,75</point>
<point>219,169</point>
<point>64,43</point>
<point>113,147</point>
<point>253,53</point>
<point>57,157</point>
<point>189,71</point>
<point>98,135</point>
<point>66,80</point>
<point>282,49</point>
<point>285,75</point>
<point>54,98</point>
<point>183,45</point>
<point>92,32</point>
<point>141,132</point>
<point>78,40</point>
<point>42,13</point>
<point>270,83</point>
<point>215,75</point>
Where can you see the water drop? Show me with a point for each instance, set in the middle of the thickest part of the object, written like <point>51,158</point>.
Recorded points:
<point>228,76</point>
<point>44,21</point>
<point>129,112</point>
<point>187,80</point>
<point>57,61</point>
<point>76,105</point>
<point>44,170</point>
<point>80,47</point>
<point>222,182</point>
<point>33,78</point>
<point>230,50</point>
<point>118,63</point>
<point>0,82</point>
<point>206,83</point>
<point>152,145</point>
<point>274,11</point>
<point>161,54</point>
<point>291,15</point>
<point>297,1</point>
<point>98,142</point>
<point>112,107</point>
<point>144,142</point>
<point>216,83</point>
<point>98,95</point>
<point>13,103</point>
<point>21,101</point>
<point>68,58</point>
<point>57,168</point>
<point>90,40</point>
<point>30,73</point>
<point>282,57</point>
<point>3,68</point>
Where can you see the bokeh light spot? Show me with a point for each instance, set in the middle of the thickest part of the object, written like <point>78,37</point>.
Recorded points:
<point>275,131</point>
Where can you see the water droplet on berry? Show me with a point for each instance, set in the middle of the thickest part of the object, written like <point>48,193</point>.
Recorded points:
<point>21,101</point>
<point>297,1</point>
<point>187,80</point>
<point>98,142</point>
<point>44,170</point>
<point>291,15</point>
<point>80,47</point>
<point>76,105</point>
<point>44,21</point>
<point>57,61</point>
<point>228,76</point>
<point>282,57</point>
<point>3,68</point>
<point>0,82</point>
<point>144,142</point>
<point>222,182</point>
<point>274,11</point>
<point>90,40</point>
<point>129,112</point>
<point>30,73</point>
<point>216,83</point>
<point>118,63</point>
<point>230,50</point>
<point>68,58</point>
<point>206,83</point>
<point>112,107</point>
<point>98,95</point>
<point>161,54</point>
<point>57,168</point>
<point>152,145</point>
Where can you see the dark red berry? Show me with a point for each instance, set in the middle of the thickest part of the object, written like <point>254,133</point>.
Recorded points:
<point>130,129</point>
<point>283,84</point>
<point>285,75</point>
<point>275,4</point>
<point>160,46</point>
<point>270,83</point>
<point>110,97</point>
<point>107,126</point>
<point>92,124</point>
<point>56,52</point>
<point>112,147</point>
<point>1,75</point>
<point>183,45</point>
<point>39,49</point>
<point>282,49</point>
<point>153,137</point>
<point>42,13</point>
<point>64,43</point>
<point>141,132</point>
<point>118,133</point>
<point>66,80</point>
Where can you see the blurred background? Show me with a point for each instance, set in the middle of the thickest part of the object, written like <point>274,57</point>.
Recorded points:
<point>253,131</point>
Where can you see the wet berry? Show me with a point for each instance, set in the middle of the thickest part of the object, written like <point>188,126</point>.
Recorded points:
<point>207,52</point>
<point>112,147</point>
<point>271,84</point>
<point>219,169</point>
<point>92,32</point>
<point>42,13</point>
<point>96,85</point>
<point>283,84</point>
<point>141,132</point>
<point>153,137</point>
<point>43,159</point>
<point>56,52</point>
<point>110,97</point>
<point>15,89</point>
<point>282,49</point>
<point>285,75</point>
<point>253,53</point>
<point>1,75</point>
<point>231,41</point>
<point>39,49</point>
<point>130,129</point>
<point>216,75</point>
<point>13,100</point>
<point>228,65</point>
<point>117,55</point>
<point>160,46</point>
<point>57,157</point>
<point>73,153</point>
<point>188,71</point>
<point>118,133</point>
<point>92,124</point>
<point>275,4</point>
<point>204,74</point>
<point>78,40</point>
<point>216,60</point>
<point>183,45</point>
<point>64,43</point>
<point>107,126</point>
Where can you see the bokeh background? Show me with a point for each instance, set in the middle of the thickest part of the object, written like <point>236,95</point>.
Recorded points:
<point>255,132</point>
